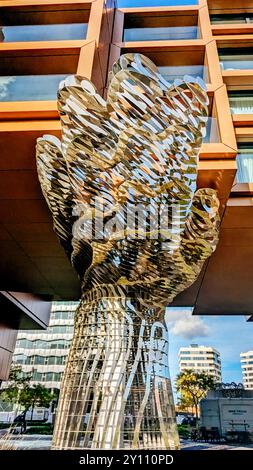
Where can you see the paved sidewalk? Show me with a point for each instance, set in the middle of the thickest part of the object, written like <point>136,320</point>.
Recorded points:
<point>40,442</point>
<point>191,445</point>
<point>28,442</point>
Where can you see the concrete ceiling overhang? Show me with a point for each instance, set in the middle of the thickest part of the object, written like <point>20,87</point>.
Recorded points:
<point>31,258</point>
<point>24,311</point>
<point>225,284</point>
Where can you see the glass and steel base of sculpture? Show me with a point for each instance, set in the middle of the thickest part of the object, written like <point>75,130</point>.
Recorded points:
<point>116,391</point>
<point>121,186</point>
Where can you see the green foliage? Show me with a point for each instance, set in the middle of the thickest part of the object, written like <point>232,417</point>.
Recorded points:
<point>39,395</point>
<point>16,391</point>
<point>16,377</point>
<point>45,429</point>
<point>184,401</point>
<point>193,386</point>
<point>4,425</point>
<point>183,431</point>
<point>36,422</point>
<point>20,392</point>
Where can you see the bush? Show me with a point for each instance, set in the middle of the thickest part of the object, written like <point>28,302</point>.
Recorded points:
<point>45,429</point>
<point>36,422</point>
<point>183,431</point>
<point>4,425</point>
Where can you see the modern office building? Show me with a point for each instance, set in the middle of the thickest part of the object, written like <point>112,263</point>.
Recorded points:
<point>247,368</point>
<point>201,359</point>
<point>42,354</point>
<point>43,41</point>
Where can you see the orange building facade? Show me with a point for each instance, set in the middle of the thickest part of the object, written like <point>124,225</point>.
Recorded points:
<point>43,41</point>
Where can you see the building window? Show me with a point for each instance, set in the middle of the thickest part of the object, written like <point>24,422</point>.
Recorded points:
<point>38,360</point>
<point>62,315</point>
<point>30,87</point>
<point>171,73</point>
<point>176,65</point>
<point>49,32</point>
<point>236,59</point>
<point>154,3</point>
<point>241,102</point>
<point>65,329</point>
<point>160,28</point>
<point>35,77</point>
<point>160,34</point>
<point>245,168</point>
<point>40,344</point>
<point>232,19</point>
<point>19,358</point>
<point>33,23</point>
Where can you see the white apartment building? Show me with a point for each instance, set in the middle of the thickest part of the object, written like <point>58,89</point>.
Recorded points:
<point>42,353</point>
<point>201,359</point>
<point>247,368</point>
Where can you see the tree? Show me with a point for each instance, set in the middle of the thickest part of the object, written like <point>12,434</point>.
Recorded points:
<point>39,395</point>
<point>193,386</point>
<point>15,389</point>
<point>184,402</point>
<point>20,392</point>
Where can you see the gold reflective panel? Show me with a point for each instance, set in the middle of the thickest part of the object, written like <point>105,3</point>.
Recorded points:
<point>121,186</point>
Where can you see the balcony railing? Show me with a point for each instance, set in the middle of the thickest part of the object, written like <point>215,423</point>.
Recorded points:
<point>171,73</point>
<point>43,32</point>
<point>161,34</point>
<point>30,87</point>
<point>245,165</point>
<point>241,102</point>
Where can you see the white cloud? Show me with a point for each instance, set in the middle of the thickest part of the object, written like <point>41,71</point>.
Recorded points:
<point>183,323</point>
<point>4,82</point>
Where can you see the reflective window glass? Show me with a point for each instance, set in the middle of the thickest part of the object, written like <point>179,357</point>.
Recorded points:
<point>43,32</point>
<point>236,59</point>
<point>30,87</point>
<point>232,19</point>
<point>241,102</point>
<point>245,167</point>
<point>171,73</point>
<point>160,34</point>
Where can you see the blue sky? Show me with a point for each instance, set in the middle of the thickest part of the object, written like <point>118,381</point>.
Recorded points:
<point>230,335</point>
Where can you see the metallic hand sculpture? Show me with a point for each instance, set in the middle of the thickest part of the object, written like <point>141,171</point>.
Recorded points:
<point>121,186</point>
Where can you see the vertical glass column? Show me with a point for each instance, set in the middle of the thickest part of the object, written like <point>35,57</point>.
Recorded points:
<point>116,391</point>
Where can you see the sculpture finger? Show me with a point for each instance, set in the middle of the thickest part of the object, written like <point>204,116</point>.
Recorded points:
<point>83,112</point>
<point>55,184</point>
<point>200,237</point>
